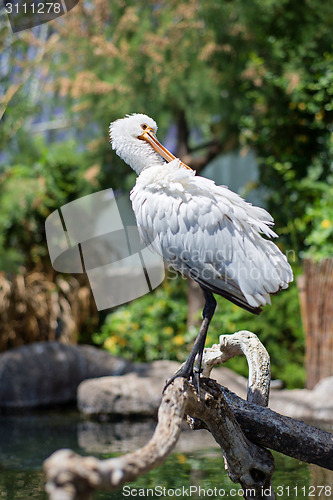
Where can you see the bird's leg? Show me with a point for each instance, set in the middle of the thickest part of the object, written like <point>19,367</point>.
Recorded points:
<point>208,313</point>
<point>187,370</point>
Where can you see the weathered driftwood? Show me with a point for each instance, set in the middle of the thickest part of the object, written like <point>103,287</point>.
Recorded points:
<point>246,343</point>
<point>247,464</point>
<point>284,434</point>
<point>252,467</point>
<point>72,477</point>
<point>240,427</point>
<point>262,425</point>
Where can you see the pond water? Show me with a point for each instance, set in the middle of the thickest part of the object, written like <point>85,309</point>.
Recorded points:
<point>195,470</point>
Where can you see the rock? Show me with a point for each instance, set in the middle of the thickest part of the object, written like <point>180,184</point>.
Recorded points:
<point>314,405</point>
<point>139,394</point>
<point>48,373</point>
<point>127,395</point>
<point>277,385</point>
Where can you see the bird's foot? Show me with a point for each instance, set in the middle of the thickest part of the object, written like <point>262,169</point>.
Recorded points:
<point>188,372</point>
<point>196,379</point>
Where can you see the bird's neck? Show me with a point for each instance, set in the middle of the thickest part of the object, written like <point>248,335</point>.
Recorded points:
<point>139,156</point>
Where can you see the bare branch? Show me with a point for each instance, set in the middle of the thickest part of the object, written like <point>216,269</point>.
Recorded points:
<point>286,435</point>
<point>246,463</point>
<point>72,477</point>
<point>243,430</point>
<point>246,343</point>
<point>264,426</point>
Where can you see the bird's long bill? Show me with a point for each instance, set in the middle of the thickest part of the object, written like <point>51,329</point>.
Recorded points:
<point>151,138</point>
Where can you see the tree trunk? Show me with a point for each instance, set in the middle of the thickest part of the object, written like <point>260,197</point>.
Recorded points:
<point>316,298</point>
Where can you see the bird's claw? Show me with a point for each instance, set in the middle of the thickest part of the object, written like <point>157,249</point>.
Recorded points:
<point>196,381</point>
<point>193,376</point>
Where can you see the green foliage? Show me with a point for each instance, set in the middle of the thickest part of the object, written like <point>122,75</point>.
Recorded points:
<point>255,74</point>
<point>151,327</point>
<point>287,83</point>
<point>154,327</point>
<point>246,74</point>
<point>279,327</point>
<point>320,238</point>
<point>29,193</point>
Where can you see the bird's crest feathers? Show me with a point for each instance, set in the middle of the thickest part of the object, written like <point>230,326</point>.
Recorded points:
<point>124,137</point>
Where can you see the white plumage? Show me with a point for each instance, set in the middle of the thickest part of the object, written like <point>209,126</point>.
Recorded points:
<point>205,231</point>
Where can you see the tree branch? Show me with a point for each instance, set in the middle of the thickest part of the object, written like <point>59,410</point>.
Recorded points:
<point>246,343</point>
<point>286,435</point>
<point>243,430</point>
<point>72,477</point>
<point>250,465</point>
<point>184,151</point>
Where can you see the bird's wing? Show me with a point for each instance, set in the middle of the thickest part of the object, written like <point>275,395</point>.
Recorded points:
<point>211,234</point>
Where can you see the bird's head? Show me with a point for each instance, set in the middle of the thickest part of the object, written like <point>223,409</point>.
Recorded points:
<point>134,140</point>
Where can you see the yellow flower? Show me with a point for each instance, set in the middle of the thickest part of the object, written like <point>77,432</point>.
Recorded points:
<point>168,330</point>
<point>325,224</point>
<point>181,458</point>
<point>113,341</point>
<point>178,340</point>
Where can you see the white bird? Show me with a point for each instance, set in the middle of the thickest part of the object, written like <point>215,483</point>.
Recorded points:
<point>205,231</point>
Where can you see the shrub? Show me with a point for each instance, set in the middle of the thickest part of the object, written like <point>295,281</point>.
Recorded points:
<point>154,327</point>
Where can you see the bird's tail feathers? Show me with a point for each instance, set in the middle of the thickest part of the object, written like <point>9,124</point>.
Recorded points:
<point>236,298</point>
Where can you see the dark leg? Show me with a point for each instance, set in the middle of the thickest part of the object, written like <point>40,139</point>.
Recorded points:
<point>187,370</point>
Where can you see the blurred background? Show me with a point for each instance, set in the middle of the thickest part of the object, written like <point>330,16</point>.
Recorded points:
<point>242,91</point>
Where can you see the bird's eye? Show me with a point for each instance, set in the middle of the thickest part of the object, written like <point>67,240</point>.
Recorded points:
<point>144,126</point>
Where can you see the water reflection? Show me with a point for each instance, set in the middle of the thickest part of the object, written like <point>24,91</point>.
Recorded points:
<point>26,440</point>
